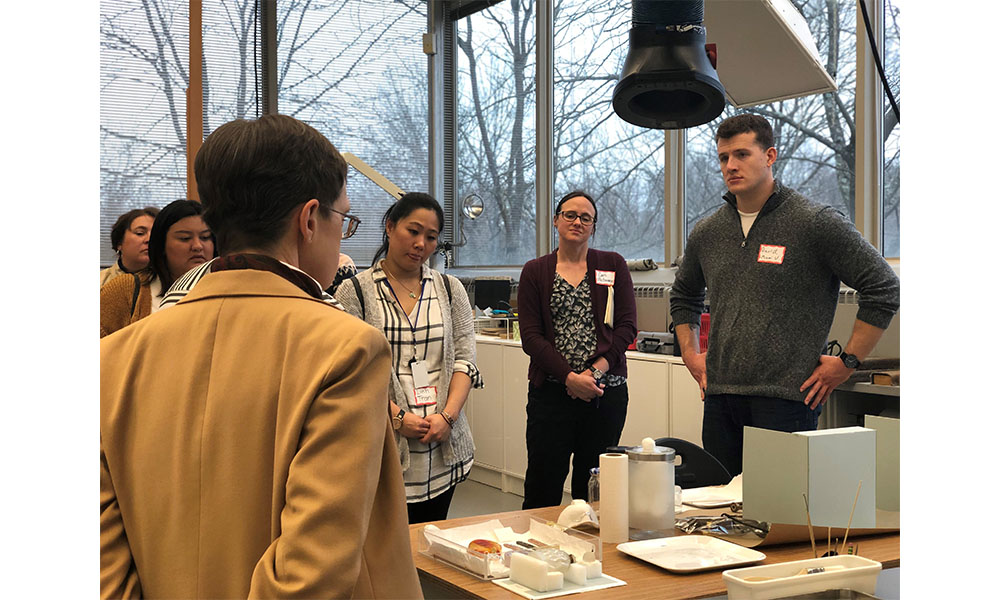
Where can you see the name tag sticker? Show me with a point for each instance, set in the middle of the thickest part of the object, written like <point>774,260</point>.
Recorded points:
<point>771,254</point>
<point>604,277</point>
<point>425,396</point>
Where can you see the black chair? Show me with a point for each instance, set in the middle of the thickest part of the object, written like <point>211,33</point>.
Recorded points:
<point>697,467</point>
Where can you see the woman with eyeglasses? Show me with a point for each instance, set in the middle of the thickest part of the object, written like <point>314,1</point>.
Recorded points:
<point>427,318</point>
<point>179,240</point>
<point>576,311</point>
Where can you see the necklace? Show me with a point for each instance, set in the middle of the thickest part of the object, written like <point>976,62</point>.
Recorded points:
<point>389,273</point>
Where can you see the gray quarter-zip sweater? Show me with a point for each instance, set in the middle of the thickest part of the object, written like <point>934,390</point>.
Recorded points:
<point>773,293</point>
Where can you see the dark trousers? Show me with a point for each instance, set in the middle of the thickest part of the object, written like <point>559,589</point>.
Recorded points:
<point>435,509</point>
<point>559,426</point>
<point>727,414</point>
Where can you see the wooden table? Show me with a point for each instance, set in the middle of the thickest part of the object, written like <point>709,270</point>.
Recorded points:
<point>643,579</point>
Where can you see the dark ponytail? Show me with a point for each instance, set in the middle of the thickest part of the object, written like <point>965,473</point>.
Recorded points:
<point>410,202</point>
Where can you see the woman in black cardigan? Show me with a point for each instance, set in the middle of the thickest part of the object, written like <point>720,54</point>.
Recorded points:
<point>576,311</point>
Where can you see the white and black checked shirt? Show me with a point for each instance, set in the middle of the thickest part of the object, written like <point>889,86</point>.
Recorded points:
<point>421,335</point>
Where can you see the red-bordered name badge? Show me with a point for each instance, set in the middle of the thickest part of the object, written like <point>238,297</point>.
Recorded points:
<point>771,254</point>
<point>604,277</point>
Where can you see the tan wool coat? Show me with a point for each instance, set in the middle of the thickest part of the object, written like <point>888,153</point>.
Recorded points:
<point>246,451</point>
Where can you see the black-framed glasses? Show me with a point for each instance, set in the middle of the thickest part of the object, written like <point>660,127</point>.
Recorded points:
<point>569,216</point>
<point>350,222</point>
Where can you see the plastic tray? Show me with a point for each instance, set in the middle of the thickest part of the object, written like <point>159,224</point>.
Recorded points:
<point>450,546</point>
<point>858,574</point>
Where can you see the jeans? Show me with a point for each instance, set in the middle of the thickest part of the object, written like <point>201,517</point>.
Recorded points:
<point>559,426</point>
<point>727,414</point>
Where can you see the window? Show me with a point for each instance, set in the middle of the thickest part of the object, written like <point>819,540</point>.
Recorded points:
<point>890,134</point>
<point>495,139</point>
<point>144,72</point>
<point>617,163</point>
<point>813,135</point>
<point>355,70</point>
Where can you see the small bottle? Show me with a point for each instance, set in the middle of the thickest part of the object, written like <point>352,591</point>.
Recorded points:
<point>594,486</point>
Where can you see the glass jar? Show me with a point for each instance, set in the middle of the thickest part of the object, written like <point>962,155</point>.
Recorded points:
<point>594,486</point>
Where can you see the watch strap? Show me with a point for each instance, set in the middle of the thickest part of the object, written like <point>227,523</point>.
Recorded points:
<point>850,361</point>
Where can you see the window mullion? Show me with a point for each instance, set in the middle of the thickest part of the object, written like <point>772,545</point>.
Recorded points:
<point>544,176</point>
<point>868,132</point>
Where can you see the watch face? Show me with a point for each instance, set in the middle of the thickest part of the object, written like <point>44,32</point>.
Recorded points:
<point>850,361</point>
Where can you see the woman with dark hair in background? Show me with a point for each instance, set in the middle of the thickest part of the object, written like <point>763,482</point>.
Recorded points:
<point>427,318</point>
<point>576,309</point>
<point>178,241</point>
<point>130,239</point>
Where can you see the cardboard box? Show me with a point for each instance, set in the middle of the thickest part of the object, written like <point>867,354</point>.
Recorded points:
<point>886,461</point>
<point>825,465</point>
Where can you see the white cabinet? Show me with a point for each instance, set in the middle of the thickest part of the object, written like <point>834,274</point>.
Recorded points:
<point>485,408</point>
<point>648,399</point>
<point>515,385</point>
<point>686,406</point>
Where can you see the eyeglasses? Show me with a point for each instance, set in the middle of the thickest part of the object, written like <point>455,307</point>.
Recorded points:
<point>570,216</point>
<point>350,222</point>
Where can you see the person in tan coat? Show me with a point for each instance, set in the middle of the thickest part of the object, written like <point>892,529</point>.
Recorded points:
<point>246,449</point>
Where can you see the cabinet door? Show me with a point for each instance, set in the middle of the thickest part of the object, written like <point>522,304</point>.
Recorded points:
<point>685,405</point>
<point>515,386</point>
<point>487,407</point>
<point>648,403</point>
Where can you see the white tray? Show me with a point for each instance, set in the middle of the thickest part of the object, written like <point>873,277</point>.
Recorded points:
<point>691,553</point>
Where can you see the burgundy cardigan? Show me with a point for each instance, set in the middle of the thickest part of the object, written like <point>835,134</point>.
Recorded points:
<point>534,291</point>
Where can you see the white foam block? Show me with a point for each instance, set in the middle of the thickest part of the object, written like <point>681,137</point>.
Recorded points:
<point>577,574</point>
<point>531,572</point>
<point>593,569</point>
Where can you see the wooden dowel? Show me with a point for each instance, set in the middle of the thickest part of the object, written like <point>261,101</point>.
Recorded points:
<point>812,539</point>
<point>843,546</point>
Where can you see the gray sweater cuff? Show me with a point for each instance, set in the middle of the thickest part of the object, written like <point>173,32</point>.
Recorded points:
<point>875,316</point>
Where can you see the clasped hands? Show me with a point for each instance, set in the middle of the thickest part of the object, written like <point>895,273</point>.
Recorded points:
<point>433,428</point>
<point>583,386</point>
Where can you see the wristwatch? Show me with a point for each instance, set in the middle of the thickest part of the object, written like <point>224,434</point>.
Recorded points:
<point>397,421</point>
<point>850,361</point>
<point>598,374</point>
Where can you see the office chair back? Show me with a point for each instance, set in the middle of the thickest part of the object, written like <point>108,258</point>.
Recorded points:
<point>697,467</point>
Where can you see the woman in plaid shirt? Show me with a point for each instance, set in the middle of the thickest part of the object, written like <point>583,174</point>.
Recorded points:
<point>427,318</point>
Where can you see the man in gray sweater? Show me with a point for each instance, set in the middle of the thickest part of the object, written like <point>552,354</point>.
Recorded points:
<point>772,263</point>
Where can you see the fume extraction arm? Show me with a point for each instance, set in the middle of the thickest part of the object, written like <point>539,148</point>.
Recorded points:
<point>688,58</point>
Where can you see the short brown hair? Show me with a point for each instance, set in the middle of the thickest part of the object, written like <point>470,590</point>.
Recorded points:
<point>747,123</point>
<point>251,174</point>
<point>124,223</point>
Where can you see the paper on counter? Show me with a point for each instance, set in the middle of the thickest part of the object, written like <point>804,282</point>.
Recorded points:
<point>716,496</point>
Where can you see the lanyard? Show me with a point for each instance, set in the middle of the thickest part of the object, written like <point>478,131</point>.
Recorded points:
<point>416,317</point>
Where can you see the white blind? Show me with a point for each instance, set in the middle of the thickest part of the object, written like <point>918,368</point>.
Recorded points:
<point>355,70</point>
<point>144,55</point>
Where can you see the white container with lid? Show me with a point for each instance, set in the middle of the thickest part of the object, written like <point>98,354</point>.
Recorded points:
<point>650,490</point>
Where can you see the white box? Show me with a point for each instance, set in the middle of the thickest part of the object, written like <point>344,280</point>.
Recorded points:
<point>886,461</point>
<point>855,573</point>
<point>825,465</point>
